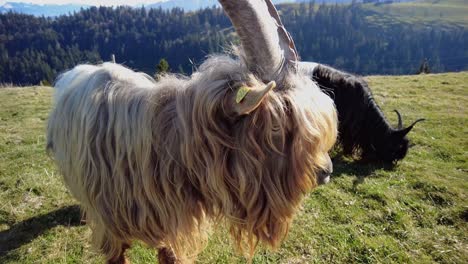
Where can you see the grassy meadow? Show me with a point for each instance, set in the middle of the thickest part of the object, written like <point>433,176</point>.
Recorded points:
<point>416,212</point>
<point>427,13</point>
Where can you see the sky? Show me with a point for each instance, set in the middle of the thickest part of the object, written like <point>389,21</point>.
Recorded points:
<point>85,2</point>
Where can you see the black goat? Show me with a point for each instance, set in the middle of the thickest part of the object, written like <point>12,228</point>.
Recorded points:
<point>363,128</point>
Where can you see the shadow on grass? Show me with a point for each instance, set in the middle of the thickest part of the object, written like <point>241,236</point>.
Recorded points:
<point>360,169</point>
<point>24,232</point>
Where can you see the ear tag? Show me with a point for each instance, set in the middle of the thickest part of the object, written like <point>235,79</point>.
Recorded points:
<point>241,93</point>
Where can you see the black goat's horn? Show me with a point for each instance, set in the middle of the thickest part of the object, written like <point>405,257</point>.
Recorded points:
<point>408,129</point>
<point>400,122</point>
<point>417,121</point>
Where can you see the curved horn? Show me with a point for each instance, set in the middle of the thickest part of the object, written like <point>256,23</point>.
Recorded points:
<point>405,131</point>
<point>268,47</point>
<point>417,121</point>
<point>400,123</point>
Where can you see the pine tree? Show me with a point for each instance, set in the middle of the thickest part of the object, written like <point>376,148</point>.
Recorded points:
<point>161,68</point>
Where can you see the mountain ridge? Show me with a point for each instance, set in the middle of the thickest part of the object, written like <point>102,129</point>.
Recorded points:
<point>53,10</point>
<point>41,10</point>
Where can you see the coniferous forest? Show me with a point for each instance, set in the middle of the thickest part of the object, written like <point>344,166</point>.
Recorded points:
<point>35,49</point>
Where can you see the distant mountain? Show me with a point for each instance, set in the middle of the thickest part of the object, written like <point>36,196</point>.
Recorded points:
<point>192,5</point>
<point>187,5</point>
<point>40,10</point>
<point>57,10</point>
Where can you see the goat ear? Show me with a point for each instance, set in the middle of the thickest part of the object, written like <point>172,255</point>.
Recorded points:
<point>248,98</point>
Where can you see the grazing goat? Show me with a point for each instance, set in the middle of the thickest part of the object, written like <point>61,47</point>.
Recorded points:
<point>362,128</point>
<point>241,141</point>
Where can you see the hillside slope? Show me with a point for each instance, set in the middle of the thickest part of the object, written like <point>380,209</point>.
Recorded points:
<point>414,213</point>
<point>425,12</point>
<point>348,37</point>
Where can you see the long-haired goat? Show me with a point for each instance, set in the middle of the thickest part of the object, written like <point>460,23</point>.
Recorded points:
<point>158,161</point>
<point>363,128</point>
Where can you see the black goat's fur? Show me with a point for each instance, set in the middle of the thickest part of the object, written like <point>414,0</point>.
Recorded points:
<point>363,128</point>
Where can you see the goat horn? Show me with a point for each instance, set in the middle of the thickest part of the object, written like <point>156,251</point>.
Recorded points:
<point>408,129</point>
<point>417,121</point>
<point>400,122</point>
<point>268,47</point>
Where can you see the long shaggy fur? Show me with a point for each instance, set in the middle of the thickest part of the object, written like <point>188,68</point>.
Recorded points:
<point>363,128</point>
<point>159,161</point>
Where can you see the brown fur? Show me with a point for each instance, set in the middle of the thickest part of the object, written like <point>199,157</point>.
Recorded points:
<point>159,161</point>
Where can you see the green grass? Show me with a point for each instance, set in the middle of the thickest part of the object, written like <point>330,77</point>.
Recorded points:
<point>428,13</point>
<point>416,212</point>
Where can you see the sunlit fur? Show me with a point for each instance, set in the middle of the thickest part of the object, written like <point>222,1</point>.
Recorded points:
<point>159,161</point>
